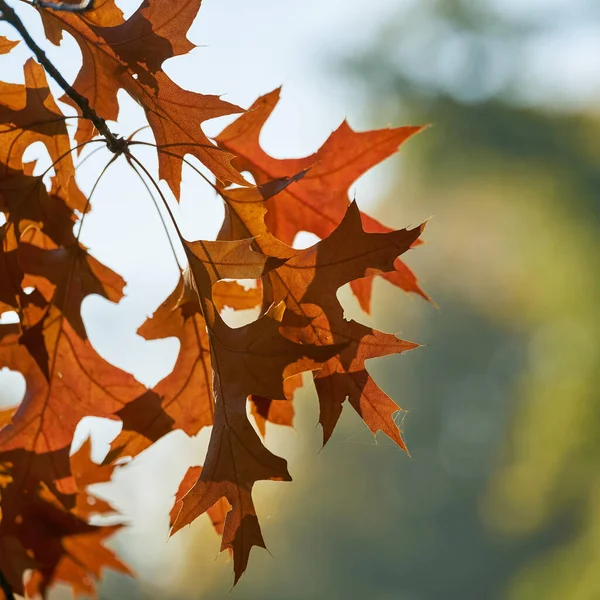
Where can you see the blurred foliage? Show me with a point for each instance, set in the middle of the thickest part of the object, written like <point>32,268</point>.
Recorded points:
<point>500,498</point>
<point>515,185</point>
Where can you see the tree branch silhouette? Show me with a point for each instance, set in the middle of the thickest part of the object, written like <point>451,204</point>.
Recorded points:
<point>83,6</point>
<point>114,143</point>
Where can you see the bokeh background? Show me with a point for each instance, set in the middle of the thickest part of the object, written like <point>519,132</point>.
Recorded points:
<point>501,497</point>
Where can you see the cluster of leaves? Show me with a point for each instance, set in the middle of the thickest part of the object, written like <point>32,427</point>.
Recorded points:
<point>46,273</point>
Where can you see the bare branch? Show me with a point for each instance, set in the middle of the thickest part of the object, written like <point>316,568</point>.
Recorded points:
<point>115,144</point>
<point>83,6</point>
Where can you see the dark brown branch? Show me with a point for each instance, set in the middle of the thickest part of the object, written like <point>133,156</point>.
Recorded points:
<point>114,143</point>
<point>83,6</point>
<point>6,587</point>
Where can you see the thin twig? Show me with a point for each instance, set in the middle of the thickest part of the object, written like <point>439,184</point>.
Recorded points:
<point>65,154</point>
<point>157,206</point>
<point>131,158</point>
<point>83,6</point>
<point>160,148</point>
<point>115,144</point>
<point>89,200</point>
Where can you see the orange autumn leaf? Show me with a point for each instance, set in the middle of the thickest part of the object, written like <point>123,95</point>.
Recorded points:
<point>236,457</point>
<point>44,529</point>
<point>217,512</point>
<point>7,45</point>
<point>234,380</point>
<point>236,296</point>
<point>307,282</point>
<point>66,276</point>
<point>265,410</point>
<point>318,202</point>
<point>183,399</point>
<point>28,114</point>
<point>66,380</point>
<point>129,55</point>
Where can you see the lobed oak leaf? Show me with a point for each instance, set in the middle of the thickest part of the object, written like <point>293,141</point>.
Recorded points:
<point>317,203</point>
<point>183,399</point>
<point>254,359</point>
<point>81,565</point>
<point>86,472</point>
<point>76,383</point>
<point>44,531</point>
<point>216,513</point>
<point>129,55</point>
<point>66,276</point>
<point>28,114</point>
<point>308,281</point>
<point>67,551</point>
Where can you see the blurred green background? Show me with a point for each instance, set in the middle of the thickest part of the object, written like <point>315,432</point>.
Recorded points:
<point>501,498</point>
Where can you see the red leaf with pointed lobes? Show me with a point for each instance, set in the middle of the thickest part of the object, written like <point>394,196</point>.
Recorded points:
<point>28,114</point>
<point>317,203</point>
<point>50,540</point>
<point>254,359</point>
<point>78,383</point>
<point>183,399</point>
<point>86,472</point>
<point>217,512</point>
<point>307,282</point>
<point>129,55</point>
<point>66,276</point>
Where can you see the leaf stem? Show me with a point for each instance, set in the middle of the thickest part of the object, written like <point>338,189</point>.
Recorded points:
<point>157,206</point>
<point>131,158</point>
<point>115,144</point>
